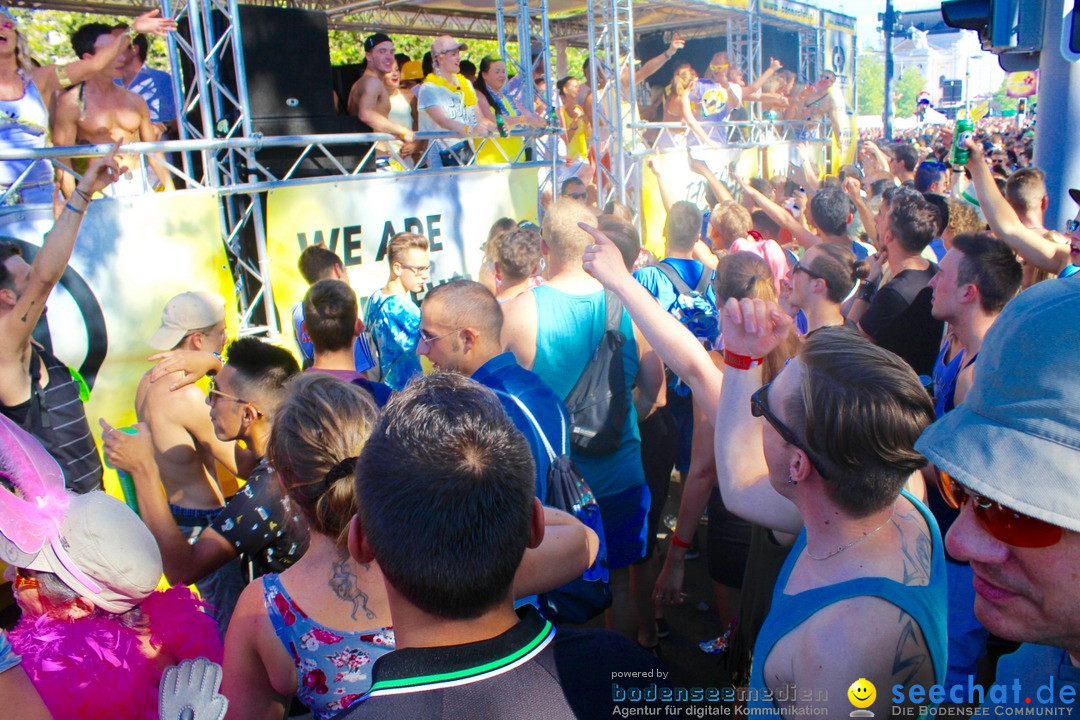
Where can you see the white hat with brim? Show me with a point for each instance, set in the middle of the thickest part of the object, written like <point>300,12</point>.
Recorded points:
<point>108,542</point>
<point>186,312</point>
<point>1016,437</point>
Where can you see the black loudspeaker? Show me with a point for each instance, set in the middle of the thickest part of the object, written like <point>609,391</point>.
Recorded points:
<point>344,77</point>
<point>952,91</point>
<point>290,91</point>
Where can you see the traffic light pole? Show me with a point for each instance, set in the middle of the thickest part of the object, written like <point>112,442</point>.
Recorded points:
<point>887,26</point>
<point>1056,151</point>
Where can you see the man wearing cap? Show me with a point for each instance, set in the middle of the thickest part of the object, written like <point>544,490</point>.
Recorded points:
<point>369,99</point>
<point>186,449</point>
<point>448,102</point>
<point>1008,458</point>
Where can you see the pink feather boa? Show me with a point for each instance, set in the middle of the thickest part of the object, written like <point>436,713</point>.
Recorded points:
<point>95,667</point>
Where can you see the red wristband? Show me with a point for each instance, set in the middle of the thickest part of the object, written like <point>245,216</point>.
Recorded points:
<point>741,362</point>
<point>679,543</point>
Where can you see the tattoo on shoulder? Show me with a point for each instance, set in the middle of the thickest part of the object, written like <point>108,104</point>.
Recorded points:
<point>911,651</point>
<point>917,548</point>
<point>343,582</point>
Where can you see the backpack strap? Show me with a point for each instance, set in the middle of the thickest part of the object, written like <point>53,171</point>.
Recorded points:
<point>681,288</point>
<point>613,306</point>
<point>706,278</point>
<point>536,425</point>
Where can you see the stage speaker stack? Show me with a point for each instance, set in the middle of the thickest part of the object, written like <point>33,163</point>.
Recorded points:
<point>290,88</point>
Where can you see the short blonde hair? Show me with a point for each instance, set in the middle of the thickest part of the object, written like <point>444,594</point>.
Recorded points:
<point>402,243</point>
<point>731,221</point>
<point>565,240</point>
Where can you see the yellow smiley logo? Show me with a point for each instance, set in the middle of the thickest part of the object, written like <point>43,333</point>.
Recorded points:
<point>862,693</point>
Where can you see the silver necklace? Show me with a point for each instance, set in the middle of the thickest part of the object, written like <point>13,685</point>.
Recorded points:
<point>854,542</point>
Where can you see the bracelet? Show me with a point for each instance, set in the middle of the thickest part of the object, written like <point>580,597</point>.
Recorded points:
<point>212,372</point>
<point>84,195</point>
<point>679,543</point>
<point>467,129</point>
<point>741,362</point>
<point>74,209</point>
<point>62,76</point>
<point>867,292</point>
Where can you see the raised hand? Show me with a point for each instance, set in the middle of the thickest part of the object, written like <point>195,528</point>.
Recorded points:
<point>149,22</point>
<point>602,259</point>
<point>102,172</point>
<point>754,327</point>
<point>677,43</point>
<point>775,64</point>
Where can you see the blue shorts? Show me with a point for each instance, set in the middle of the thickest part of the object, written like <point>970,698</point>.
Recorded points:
<point>624,515</point>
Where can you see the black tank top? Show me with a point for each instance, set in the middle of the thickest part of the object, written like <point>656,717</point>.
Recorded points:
<point>55,416</point>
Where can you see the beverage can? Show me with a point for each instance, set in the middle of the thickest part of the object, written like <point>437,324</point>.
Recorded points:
<point>964,130</point>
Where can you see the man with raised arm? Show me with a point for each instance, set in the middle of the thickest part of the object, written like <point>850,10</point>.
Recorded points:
<point>98,111</point>
<point>37,391</point>
<point>826,470</point>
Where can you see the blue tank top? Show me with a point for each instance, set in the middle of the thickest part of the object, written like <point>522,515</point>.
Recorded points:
<point>568,329</point>
<point>945,381</point>
<point>24,123</point>
<point>927,604</point>
<point>333,667</point>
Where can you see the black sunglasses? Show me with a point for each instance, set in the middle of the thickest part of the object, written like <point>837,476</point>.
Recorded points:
<point>799,267</point>
<point>759,407</point>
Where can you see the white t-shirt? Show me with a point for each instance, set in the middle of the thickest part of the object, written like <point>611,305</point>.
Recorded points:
<point>452,104</point>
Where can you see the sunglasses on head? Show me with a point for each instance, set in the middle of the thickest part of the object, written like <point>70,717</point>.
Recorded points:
<point>1001,522</point>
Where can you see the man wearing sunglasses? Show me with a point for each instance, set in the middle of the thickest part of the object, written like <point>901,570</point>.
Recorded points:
<point>1008,459</point>
<point>258,524</point>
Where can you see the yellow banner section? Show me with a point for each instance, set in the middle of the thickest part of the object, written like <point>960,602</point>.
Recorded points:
<point>1022,84</point>
<point>791,11</point>
<point>132,255</point>
<point>840,23</point>
<point>356,219</point>
<point>736,4</point>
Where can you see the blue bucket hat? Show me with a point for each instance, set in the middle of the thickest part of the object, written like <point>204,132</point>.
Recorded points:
<point>1016,437</point>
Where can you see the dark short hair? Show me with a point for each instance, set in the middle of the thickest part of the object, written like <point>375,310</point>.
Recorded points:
<point>83,39</point>
<point>765,225</point>
<point>466,67</point>
<point>262,370</point>
<point>830,209</point>
<point>913,220</point>
<point>682,228</point>
<point>316,263</point>
<point>878,187</point>
<point>7,249</point>
<point>330,314</point>
<point>991,266</point>
<point>446,465</point>
<point>861,410</point>
<point>906,154</point>
<point>837,266</point>
<point>573,179</point>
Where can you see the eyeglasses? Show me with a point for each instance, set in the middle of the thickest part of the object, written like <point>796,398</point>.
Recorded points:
<point>215,394</point>
<point>429,339</point>
<point>1071,226</point>
<point>1001,522</point>
<point>418,269</point>
<point>799,267</point>
<point>23,582</point>
<point>759,407</point>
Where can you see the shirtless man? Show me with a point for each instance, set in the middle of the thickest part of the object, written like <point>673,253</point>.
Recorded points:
<point>99,112</point>
<point>186,449</point>
<point>369,98</point>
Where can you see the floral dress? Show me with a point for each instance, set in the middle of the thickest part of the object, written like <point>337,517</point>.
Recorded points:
<point>333,667</point>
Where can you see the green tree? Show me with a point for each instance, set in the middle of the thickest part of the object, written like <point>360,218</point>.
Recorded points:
<point>1000,102</point>
<point>907,91</point>
<point>47,32</point>
<point>870,82</point>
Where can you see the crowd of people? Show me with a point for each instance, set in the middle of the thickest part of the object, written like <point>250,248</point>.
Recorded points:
<point>866,379</point>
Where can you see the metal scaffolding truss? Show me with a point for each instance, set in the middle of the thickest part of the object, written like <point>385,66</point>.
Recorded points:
<point>614,106</point>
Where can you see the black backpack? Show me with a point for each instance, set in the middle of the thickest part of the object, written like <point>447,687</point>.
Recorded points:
<point>585,597</point>
<point>597,402</point>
